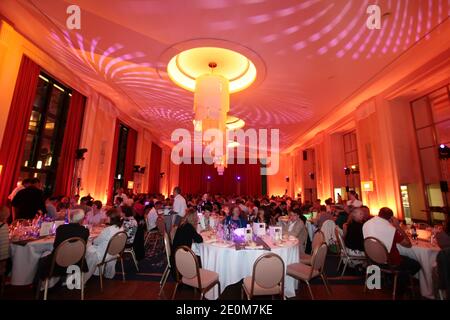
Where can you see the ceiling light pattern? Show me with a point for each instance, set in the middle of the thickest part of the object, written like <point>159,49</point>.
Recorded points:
<point>303,43</point>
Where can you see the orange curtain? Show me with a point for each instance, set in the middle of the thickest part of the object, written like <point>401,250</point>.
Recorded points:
<point>11,150</point>
<point>155,169</point>
<point>71,142</point>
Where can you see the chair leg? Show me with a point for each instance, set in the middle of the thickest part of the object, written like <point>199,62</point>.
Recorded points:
<point>134,259</point>
<point>175,291</point>
<point>123,270</point>
<point>339,264</point>
<point>218,284</point>
<point>395,286</point>
<point>164,277</point>
<point>82,285</point>
<point>100,274</point>
<point>46,289</point>
<point>345,268</point>
<point>325,283</point>
<point>310,291</point>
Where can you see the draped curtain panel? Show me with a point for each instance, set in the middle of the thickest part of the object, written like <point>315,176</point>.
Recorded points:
<point>155,169</point>
<point>130,157</point>
<point>238,179</point>
<point>11,150</point>
<point>71,143</point>
<point>112,171</point>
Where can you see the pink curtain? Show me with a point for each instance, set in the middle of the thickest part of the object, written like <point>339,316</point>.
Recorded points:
<point>71,142</point>
<point>11,150</point>
<point>155,169</point>
<point>238,179</point>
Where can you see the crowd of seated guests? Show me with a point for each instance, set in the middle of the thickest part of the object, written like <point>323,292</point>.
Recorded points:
<point>139,213</point>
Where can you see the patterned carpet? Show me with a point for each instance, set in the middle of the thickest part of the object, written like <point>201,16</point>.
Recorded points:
<point>154,262</point>
<point>151,266</point>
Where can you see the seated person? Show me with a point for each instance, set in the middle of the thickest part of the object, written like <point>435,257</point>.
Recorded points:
<point>386,228</point>
<point>297,228</point>
<point>263,216</point>
<point>323,216</point>
<point>186,233</point>
<point>4,240</point>
<point>50,204</point>
<point>236,219</point>
<point>100,244</point>
<point>353,233</point>
<point>96,215</point>
<point>443,237</point>
<point>206,221</point>
<point>341,218</point>
<point>64,232</point>
<point>152,215</point>
<point>130,224</point>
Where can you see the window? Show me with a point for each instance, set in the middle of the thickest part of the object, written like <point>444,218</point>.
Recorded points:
<point>45,132</point>
<point>119,179</point>
<point>431,115</point>
<point>351,161</point>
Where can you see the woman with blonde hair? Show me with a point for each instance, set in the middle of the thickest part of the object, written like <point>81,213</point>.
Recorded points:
<point>187,231</point>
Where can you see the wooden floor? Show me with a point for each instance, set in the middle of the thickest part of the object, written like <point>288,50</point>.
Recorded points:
<point>146,290</point>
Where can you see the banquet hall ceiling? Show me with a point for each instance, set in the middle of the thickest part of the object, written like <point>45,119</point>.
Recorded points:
<point>315,53</point>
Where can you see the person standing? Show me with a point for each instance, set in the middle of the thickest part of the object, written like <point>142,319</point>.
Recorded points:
<point>29,201</point>
<point>179,205</point>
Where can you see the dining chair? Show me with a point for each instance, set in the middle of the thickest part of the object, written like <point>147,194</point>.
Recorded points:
<point>306,272</point>
<point>344,256</point>
<point>156,235</point>
<point>378,254</point>
<point>173,231</point>
<point>114,251</point>
<point>166,273</point>
<point>130,250</point>
<point>69,252</point>
<point>267,278</point>
<point>2,276</point>
<point>318,239</point>
<point>189,272</point>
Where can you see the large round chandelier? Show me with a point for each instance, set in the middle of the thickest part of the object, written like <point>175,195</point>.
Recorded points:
<point>213,74</point>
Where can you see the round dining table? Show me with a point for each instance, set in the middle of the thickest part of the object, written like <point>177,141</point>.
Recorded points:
<point>233,265</point>
<point>25,256</point>
<point>425,253</point>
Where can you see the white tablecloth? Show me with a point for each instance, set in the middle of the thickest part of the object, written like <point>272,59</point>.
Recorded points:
<point>25,260</point>
<point>234,265</point>
<point>425,254</point>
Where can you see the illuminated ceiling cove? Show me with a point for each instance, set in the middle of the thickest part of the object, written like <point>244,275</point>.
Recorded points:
<point>312,54</point>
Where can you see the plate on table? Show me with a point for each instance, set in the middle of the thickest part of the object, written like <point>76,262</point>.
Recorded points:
<point>222,244</point>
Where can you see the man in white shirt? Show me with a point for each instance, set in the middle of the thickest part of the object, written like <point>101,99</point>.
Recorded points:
<point>122,195</point>
<point>179,205</point>
<point>353,201</point>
